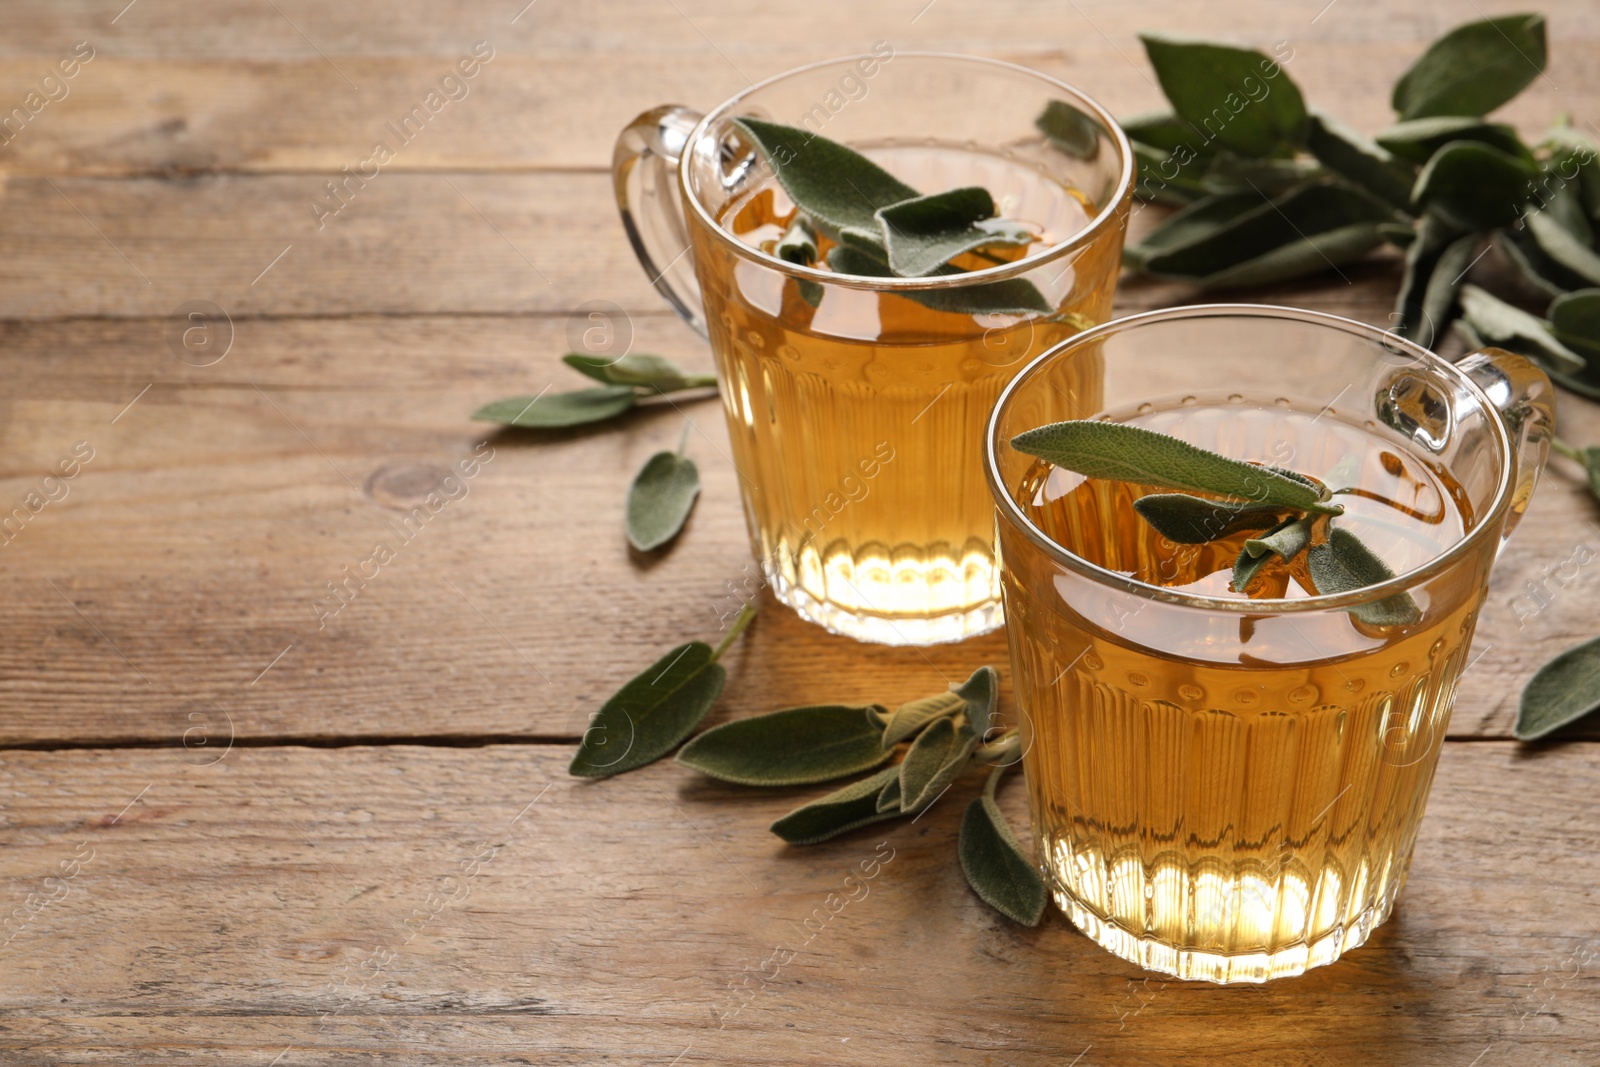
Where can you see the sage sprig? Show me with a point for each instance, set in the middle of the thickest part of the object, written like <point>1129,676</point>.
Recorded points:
<point>626,381</point>
<point>1297,512</point>
<point>1275,190</point>
<point>943,737</point>
<point>661,497</point>
<point>880,227</point>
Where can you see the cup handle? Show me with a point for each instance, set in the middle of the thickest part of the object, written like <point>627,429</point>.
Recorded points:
<point>644,173</point>
<point>1526,401</point>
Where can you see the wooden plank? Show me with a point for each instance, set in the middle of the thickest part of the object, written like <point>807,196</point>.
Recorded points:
<point>199,541</point>
<point>217,911</point>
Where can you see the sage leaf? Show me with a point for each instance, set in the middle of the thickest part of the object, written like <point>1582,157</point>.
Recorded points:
<point>843,809</point>
<point>1538,269</point>
<point>1203,78</point>
<point>1510,327</point>
<point>1229,172</point>
<point>660,499</point>
<point>1166,131</point>
<point>980,691</point>
<point>1183,185</point>
<point>1134,454</point>
<point>1474,68</point>
<point>1011,296</point>
<point>1565,207</point>
<point>652,713</point>
<point>1473,186</point>
<point>1355,158</point>
<point>1575,321</point>
<point>551,411</point>
<point>795,746</point>
<point>1308,230</point>
<point>1561,692</point>
<point>938,755</point>
<point>1401,235</point>
<point>1558,242</point>
<point>1286,541</point>
<point>1571,149</point>
<point>924,233</point>
<point>1193,520</point>
<point>648,372</point>
<point>798,244</point>
<point>993,861</point>
<point>889,796</point>
<point>836,186</point>
<point>1196,222</point>
<point>1417,140</point>
<point>1343,563</point>
<point>1435,265</point>
<point>1069,129</point>
<point>1246,566</point>
<point>911,717</point>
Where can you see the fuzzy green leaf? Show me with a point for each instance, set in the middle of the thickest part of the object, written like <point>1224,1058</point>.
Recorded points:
<point>1196,222</point>
<point>911,717</point>
<point>1417,140</point>
<point>552,411</point>
<point>651,714</point>
<point>1474,68</point>
<point>1436,263</point>
<point>645,371</point>
<point>1559,243</point>
<point>660,499</point>
<point>1193,520</point>
<point>795,746</point>
<point>1343,563</point>
<point>1538,269</point>
<point>923,234</point>
<point>1285,541</point>
<point>1203,78</point>
<point>994,864</point>
<point>934,760</point>
<point>1575,321</point>
<point>843,809</point>
<point>1070,129</point>
<point>1561,692</point>
<point>1473,186</point>
<point>1355,158</point>
<point>980,691</point>
<point>1012,296</point>
<point>1499,323</point>
<point>1126,453</point>
<point>889,796</point>
<point>834,185</point>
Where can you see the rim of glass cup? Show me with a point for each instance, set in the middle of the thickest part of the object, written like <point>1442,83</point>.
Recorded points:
<point>1014,514</point>
<point>1079,240</point>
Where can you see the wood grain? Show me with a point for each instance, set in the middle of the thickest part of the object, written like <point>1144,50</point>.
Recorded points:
<point>220,913</point>
<point>199,541</point>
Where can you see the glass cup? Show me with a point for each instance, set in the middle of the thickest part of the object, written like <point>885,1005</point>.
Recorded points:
<point>855,408</point>
<point>1224,788</point>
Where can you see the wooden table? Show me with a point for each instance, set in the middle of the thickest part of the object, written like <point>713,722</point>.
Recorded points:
<point>237,832</point>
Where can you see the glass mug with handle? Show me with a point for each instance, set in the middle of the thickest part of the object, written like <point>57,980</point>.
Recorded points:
<point>1228,787</point>
<point>856,402</point>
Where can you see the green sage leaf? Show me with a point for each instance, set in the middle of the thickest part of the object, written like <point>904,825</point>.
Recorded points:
<point>1134,454</point>
<point>1538,269</point>
<point>798,244</point>
<point>1012,296</point>
<point>1436,263</point>
<point>1474,68</point>
<point>980,691</point>
<point>836,186</point>
<point>1196,222</point>
<point>646,371</point>
<point>1400,234</point>
<point>1343,563</point>
<point>1561,692</point>
<point>660,499</point>
<point>1308,230</point>
<point>1286,541</point>
<point>911,717</point>
<point>1164,130</point>
<point>1229,172</point>
<point>1247,566</point>
<point>1575,321</point>
<point>795,746</point>
<point>1204,80</point>
<point>1473,186</point>
<point>843,809</point>
<point>1193,520</point>
<point>1558,242</point>
<point>551,411</point>
<point>1169,177</point>
<point>889,796</point>
<point>651,714</point>
<point>924,233</point>
<point>938,755</point>
<point>1356,158</point>
<point>1069,129</point>
<point>1501,324</point>
<point>993,861</point>
<point>1417,140</point>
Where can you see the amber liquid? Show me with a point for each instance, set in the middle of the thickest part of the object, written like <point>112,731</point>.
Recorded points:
<point>857,423</point>
<point>1228,796</point>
